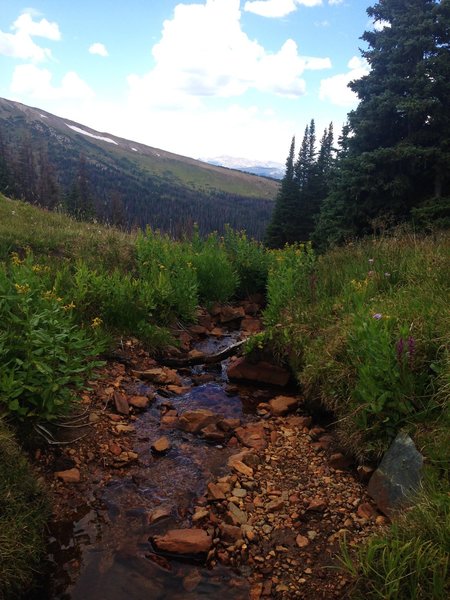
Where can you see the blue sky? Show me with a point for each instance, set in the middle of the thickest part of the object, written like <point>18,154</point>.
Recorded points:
<point>201,78</point>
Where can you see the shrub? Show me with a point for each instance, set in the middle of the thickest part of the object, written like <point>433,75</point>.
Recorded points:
<point>250,261</point>
<point>44,355</point>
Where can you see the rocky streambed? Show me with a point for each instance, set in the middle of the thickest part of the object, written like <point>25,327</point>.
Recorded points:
<point>182,484</point>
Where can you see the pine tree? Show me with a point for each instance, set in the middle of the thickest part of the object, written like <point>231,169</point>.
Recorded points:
<point>398,155</point>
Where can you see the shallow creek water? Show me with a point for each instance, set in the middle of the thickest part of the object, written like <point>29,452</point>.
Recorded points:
<point>108,539</point>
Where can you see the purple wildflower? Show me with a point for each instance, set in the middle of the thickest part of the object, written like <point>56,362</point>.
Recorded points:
<point>377,316</point>
<point>411,351</point>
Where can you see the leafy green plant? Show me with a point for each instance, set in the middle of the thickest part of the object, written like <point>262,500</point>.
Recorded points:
<point>250,260</point>
<point>44,355</point>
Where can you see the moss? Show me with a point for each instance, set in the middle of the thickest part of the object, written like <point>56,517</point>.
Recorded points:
<point>24,511</point>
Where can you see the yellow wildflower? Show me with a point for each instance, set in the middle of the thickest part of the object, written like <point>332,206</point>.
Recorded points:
<point>96,322</point>
<point>69,306</point>
<point>22,289</point>
<point>15,259</point>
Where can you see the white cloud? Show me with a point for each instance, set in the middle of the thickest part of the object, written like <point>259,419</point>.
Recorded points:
<point>380,25</point>
<point>98,49</point>
<point>36,83</point>
<point>204,52</point>
<point>20,43</point>
<point>335,89</point>
<point>277,8</point>
<point>335,2</point>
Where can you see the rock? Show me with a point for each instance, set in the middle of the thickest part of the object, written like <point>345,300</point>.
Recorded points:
<point>366,511</point>
<point>120,428</point>
<point>365,472</point>
<point>228,424</point>
<point>281,405</point>
<point>251,325</point>
<point>184,541</point>
<point>115,449</point>
<point>217,332</point>
<point>252,435</point>
<point>161,445</point>
<point>177,389</point>
<point>69,475</point>
<point>191,581</point>
<point>275,505</point>
<point>302,541</point>
<point>160,375</point>
<point>317,505</point>
<point>194,421</point>
<point>199,515</point>
<point>236,463</point>
<point>121,403</point>
<point>339,461</point>
<point>238,516</point>
<point>230,533</point>
<point>139,401</point>
<point>262,372</point>
<point>239,492</point>
<point>398,476</point>
<point>196,354</point>
<point>215,492</point>
<point>231,313</point>
<point>210,432</point>
<point>159,513</point>
<point>256,591</point>
<point>197,330</point>
<point>169,422</point>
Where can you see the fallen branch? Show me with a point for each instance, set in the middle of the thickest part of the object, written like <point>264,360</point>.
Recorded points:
<point>202,359</point>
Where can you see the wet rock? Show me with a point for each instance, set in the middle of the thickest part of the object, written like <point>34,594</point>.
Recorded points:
<point>191,581</point>
<point>229,424</point>
<point>161,445</point>
<point>120,428</point>
<point>177,389</point>
<point>217,332</point>
<point>236,462</point>
<point>139,401</point>
<point>194,421</point>
<point>252,435</point>
<point>398,477</point>
<point>210,432</point>
<point>281,405</point>
<point>231,313</point>
<point>69,475</point>
<point>121,403</point>
<point>162,512</point>
<point>197,330</point>
<point>262,372</point>
<point>160,375</point>
<point>184,541</point>
<point>199,515</point>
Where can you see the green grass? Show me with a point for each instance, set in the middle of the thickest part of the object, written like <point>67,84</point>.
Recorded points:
<point>24,511</point>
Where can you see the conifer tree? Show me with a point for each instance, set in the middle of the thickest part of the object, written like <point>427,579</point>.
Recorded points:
<point>398,150</point>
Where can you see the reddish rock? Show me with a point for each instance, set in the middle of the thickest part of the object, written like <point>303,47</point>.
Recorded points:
<point>169,422</point>
<point>251,325</point>
<point>302,541</point>
<point>159,513</point>
<point>231,313</point>
<point>191,581</point>
<point>229,424</point>
<point>194,421</point>
<point>252,435</point>
<point>210,432</point>
<point>160,375</point>
<point>215,492</point>
<point>365,472</point>
<point>115,449</point>
<point>317,505</point>
<point>184,541</point>
<point>230,533</point>
<point>121,403</point>
<point>366,511</point>
<point>281,405</point>
<point>262,372</point>
<point>197,330</point>
<point>339,461</point>
<point>217,332</point>
<point>139,401</point>
<point>161,445</point>
<point>69,476</point>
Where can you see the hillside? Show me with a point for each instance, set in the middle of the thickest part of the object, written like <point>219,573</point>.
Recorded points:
<point>128,183</point>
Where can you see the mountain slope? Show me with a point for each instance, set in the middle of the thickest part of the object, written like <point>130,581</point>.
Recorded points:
<point>131,181</point>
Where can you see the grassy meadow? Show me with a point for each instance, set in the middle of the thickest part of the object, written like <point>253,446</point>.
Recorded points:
<point>365,328</point>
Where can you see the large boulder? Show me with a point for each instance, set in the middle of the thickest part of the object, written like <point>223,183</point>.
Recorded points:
<point>184,541</point>
<point>397,479</point>
<point>262,372</point>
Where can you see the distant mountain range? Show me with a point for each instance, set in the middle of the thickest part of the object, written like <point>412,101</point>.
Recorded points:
<point>270,169</point>
<point>149,185</point>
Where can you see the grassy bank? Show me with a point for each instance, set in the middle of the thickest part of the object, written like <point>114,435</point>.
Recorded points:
<point>366,329</point>
<point>24,511</point>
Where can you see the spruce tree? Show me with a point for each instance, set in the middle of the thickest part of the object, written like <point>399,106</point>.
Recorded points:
<point>398,155</point>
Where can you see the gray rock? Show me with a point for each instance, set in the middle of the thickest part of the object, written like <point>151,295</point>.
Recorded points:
<point>397,479</point>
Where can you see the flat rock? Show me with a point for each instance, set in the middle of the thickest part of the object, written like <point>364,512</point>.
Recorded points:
<point>193,421</point>
<point>69,475</point>
<point>238,516</point>
<point>215,492</point>
<point>339,461</point>
<point>210,432</point>
<point>231,313</point>
<point>139,401</point>
<point>282,405</point>
<point>262,372</point>
<point>251,325</point>
<point>397,479</point>
<point>252,435</point>
<point>162,512</point>
<point>184,541</point>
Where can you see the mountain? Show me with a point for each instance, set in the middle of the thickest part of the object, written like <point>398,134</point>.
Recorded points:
<point>270,169</point>
<point>128,183</point>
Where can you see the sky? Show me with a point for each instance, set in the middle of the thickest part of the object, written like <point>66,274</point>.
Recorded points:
<point>201,78</point>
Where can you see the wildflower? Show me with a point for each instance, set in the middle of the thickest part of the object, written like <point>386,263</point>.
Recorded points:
<point>400,347</point>
<point>411,351</point>
<point>371,261</point>
<point>22,289</point>
<point>370,273</point>
<point>387,274</point>
<point>377,316</point>
<point>69,306</point>
<point>15,259</point>
<point>96,322</point>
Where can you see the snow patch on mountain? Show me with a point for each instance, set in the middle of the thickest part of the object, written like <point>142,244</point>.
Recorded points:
<point>96,137</point>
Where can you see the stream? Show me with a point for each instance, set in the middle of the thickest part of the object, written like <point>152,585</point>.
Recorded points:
<point>105,552</point>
